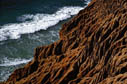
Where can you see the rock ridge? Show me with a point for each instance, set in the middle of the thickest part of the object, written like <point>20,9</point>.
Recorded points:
<point>92,49</point>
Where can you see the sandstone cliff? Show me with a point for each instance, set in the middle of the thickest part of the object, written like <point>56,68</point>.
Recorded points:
<point>92,49</point>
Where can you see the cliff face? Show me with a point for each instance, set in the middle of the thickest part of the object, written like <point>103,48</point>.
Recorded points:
<point>92,50</point>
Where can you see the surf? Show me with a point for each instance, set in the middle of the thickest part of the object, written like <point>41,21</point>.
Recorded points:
<point>37,22</point>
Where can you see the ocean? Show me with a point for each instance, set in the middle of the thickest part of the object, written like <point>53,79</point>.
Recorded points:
<point>32,23</point>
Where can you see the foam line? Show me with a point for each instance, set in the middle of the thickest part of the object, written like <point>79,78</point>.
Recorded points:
<point>13,62</point>
<point>37,22</point>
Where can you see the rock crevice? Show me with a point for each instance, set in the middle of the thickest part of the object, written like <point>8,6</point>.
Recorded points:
<point>92,49</point>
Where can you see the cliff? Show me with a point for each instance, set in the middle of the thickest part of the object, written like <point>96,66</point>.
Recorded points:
<point>92,49</point>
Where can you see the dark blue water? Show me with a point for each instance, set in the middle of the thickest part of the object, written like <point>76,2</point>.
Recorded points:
<point>31,23</point>
<point>9,14</point>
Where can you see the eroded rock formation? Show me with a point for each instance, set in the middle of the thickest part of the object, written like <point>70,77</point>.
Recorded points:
<point>92,50</point>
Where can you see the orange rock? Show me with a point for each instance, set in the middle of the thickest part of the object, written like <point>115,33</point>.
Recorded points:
<point>92,49</point>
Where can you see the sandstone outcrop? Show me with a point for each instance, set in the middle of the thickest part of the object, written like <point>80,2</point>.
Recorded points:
<point>92,49</point>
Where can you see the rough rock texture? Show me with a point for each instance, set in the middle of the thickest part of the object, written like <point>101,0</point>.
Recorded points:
<point>92,50</point>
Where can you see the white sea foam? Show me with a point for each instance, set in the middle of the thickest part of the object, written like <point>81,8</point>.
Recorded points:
<point>38,22</point>
<point>25,17</point>
<point>88,1</point>
<point>13,62</point>
<point>4,75</point>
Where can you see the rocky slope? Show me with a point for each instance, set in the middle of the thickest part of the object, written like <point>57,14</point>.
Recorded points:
<point>92,50</point>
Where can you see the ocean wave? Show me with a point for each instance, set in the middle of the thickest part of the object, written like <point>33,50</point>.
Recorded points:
<point>13,62</point>
<point>25,18</point>
<point>4,75</point>
<point>36,23</point>
<point>88,1</point>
